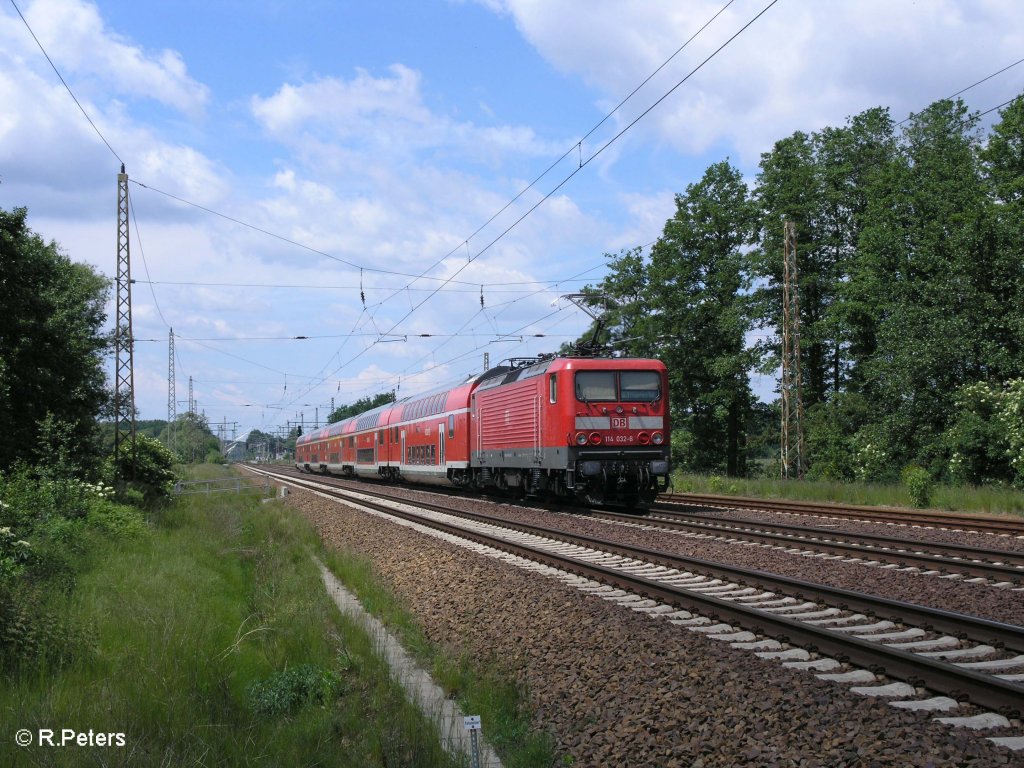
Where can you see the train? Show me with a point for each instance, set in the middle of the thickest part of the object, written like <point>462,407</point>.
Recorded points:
<point>590,430</point>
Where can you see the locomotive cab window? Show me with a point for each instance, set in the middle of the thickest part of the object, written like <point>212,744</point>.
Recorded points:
<point>624,386</point>
<point>640,386</point>
<point>595,385</point>
<point>553,388</point>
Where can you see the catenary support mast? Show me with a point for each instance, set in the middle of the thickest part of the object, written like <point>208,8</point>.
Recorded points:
<point>124,362</point>
<point>172,402</point>
<point>792,443</point>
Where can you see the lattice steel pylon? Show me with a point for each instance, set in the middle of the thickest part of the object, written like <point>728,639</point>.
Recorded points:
<point>792,449</point>
<point>124,358</point>
<point>172,402</point>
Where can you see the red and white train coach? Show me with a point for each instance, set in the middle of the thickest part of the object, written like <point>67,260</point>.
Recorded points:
<point>596,429</point>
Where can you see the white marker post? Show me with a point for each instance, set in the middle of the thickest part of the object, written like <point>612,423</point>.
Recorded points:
<point>472,724</point>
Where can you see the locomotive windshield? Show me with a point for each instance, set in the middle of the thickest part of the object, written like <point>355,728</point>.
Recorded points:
<point>624,386</point>
<point>595,385</point>
<point>639,386</point>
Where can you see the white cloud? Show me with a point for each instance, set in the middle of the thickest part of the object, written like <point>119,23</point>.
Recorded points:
<point>385,114</point>
<point>800,67</point>
<point>53,160</point>
<point>79,42</point>
<point>344,107</point>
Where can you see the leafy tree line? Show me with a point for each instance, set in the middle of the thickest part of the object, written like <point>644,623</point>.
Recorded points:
<point>260,443</point>
<point>910,255</point>
<point>360,405</point>
<point>58,503</point>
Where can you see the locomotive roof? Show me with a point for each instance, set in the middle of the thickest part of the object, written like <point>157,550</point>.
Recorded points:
<point>505,374</point>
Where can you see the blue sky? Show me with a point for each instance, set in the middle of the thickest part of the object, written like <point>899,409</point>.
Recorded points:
<point>383,135</point>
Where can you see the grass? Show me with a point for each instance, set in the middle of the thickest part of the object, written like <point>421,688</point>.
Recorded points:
<point>990,500</point>
<point>210,640</point>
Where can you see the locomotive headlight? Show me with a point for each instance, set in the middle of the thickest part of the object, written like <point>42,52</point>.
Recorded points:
<point>644,438</point>
<point>657,438</point>
<point>581,438</point>
<point>595,438</point>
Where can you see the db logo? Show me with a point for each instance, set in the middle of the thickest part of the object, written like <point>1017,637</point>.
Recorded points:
<point>620,422</point>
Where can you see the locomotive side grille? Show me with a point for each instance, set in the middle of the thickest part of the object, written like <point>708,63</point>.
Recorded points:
<point>508,418</point>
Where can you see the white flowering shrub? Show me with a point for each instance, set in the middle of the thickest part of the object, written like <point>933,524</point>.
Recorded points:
<point>871,460</point>
<point>1011,417</point>
<point>986,439</point>
<point>15,553</point>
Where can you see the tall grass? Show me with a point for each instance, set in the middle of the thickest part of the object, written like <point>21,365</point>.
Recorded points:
<point>991,500</point>
<point>190,633</point>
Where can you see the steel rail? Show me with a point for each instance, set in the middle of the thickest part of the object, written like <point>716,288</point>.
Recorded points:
<point>951,557</point>
<point>1012,526</point>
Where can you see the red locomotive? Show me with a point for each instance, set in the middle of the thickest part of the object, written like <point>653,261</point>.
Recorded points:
<point>592,429</point>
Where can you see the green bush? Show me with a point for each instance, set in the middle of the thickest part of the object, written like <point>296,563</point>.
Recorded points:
<point>116,520</point>
<point>49,527</point>
<point>830,426</point>
<point>291,690</point>
<point>149,481</point>
<point>919,484</point>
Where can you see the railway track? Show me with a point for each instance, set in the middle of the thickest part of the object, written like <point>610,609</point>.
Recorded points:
<point>1006,526</point>
<point>996,567</point>
<point>999,566</point>
<point>959,657</point>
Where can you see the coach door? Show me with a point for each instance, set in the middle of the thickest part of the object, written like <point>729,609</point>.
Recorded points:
<point>440,444</point>
<point>403,459</point>
<point>538,432</point>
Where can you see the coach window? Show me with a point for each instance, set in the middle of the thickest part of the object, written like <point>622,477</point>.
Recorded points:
<point>553,388</point>
<point>451,426</point>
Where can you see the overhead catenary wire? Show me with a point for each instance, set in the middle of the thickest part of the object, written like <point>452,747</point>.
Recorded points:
<point>65,84</point>
<point>578,145</point>
<point>470,257</point>
<point>592,157</point>
<point>145,264</point>
<point>974,85</point>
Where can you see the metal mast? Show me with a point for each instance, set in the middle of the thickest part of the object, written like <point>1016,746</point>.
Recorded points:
<point>792,450</point>
<point>124,363</point>
<point>172,402</point>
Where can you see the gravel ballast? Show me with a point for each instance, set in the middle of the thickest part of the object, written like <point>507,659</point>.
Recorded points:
<point>617,688</point>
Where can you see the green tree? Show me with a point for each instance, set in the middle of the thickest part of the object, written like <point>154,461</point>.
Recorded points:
<point>620,300</point>
<point>194,443</point>
<point>789,189</point>
<point>360,405</point>
<point>51,345</point>
<point>932,254</point>
<point>697,299</point>
<point>1003,169</point>
<point>151,476</point>
<point>853,164</point>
